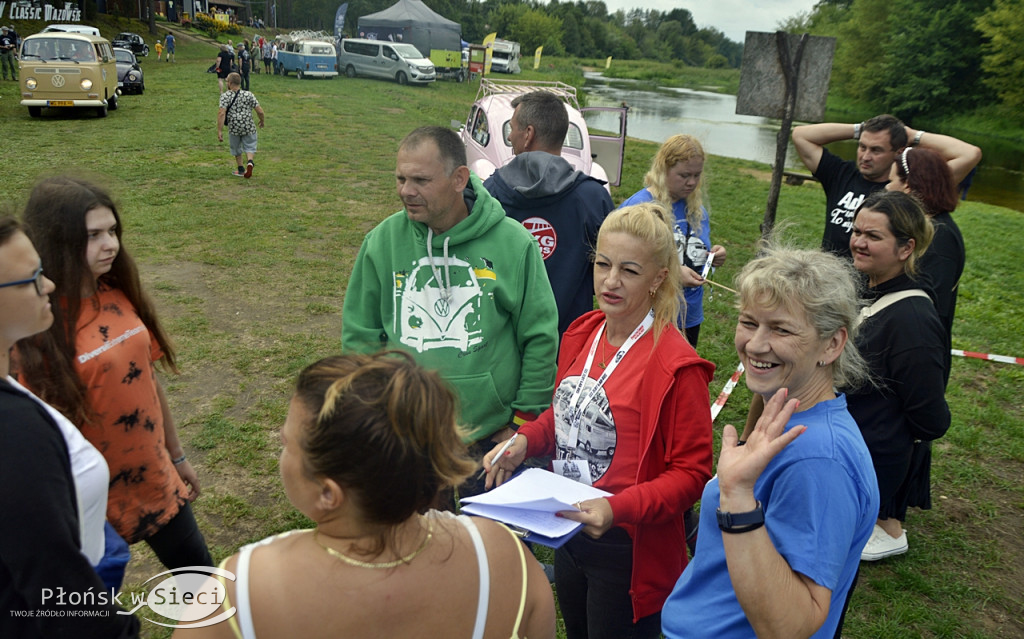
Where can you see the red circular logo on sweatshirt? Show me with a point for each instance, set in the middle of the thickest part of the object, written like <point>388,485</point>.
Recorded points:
<point>544,233</point>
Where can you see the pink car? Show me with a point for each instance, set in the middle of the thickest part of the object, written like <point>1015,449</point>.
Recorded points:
<point>486,130</point>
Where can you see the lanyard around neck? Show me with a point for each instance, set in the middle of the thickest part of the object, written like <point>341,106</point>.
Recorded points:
<point>576,401</point>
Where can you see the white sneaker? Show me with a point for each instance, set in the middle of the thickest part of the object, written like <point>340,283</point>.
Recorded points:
<point>882,545</point>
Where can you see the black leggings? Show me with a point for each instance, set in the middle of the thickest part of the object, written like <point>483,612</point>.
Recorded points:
<point>692,334</point>
<point>179,543</point>
<point>592,577</point>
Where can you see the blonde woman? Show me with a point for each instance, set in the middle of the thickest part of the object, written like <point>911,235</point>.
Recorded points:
<point>631,416</point>
<point>676,180</point>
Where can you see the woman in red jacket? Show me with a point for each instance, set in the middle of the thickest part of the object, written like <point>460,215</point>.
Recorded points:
<point>631,415</point>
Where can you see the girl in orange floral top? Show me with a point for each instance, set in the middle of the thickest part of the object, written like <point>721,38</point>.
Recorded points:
<point>96,365</point>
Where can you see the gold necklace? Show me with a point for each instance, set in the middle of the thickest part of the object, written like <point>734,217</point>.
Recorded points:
<point>369,564</point>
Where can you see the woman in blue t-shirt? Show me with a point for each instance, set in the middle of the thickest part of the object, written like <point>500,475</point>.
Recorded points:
<point>676,179</point>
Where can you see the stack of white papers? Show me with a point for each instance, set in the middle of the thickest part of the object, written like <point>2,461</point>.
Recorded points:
<point>530,500</point>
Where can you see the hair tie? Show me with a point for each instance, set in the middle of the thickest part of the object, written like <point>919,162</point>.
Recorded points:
<point>903,159</point>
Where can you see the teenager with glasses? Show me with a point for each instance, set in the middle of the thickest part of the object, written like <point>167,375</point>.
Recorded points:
<point>55,483</point>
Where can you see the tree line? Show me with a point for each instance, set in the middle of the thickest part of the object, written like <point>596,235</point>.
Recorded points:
<point>925,58</point>
<point>912,58</point>
<point>583,29</point>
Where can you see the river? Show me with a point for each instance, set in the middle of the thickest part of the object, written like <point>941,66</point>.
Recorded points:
<point>711,117</point>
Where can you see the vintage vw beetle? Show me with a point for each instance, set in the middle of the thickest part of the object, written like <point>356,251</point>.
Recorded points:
<point>485,132</point>
<point>129,73</point>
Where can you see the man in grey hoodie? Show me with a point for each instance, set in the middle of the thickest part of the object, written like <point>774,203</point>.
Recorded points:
<point>563,208</point>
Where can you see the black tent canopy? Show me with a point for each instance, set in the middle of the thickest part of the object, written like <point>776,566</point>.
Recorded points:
<point>414,22</point>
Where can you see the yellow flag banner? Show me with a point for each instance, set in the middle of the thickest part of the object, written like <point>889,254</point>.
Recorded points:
<point>536,57</point>
<point>608,63</point>
<point>489,43</point>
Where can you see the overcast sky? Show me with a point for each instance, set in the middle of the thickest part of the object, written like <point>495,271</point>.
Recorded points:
<point>732,17</point>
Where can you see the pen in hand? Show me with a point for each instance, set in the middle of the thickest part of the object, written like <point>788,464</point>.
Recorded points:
<point>504,449</point>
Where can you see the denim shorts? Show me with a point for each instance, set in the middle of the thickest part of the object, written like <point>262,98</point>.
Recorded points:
<point>242,143</point>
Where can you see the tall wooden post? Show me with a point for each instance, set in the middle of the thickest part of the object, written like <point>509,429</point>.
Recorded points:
<point>791,73</point>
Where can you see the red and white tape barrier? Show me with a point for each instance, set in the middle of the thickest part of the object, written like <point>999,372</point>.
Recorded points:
<point>724,395</point>
<point>994,358</point>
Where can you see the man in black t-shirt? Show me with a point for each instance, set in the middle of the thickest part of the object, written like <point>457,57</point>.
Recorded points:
<point>847,183</point>
<point>880,141</point>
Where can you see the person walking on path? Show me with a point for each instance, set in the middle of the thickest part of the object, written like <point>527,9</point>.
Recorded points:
<point>236,107</point>
<point>159,50</point>
<point>169,45</point>
<point>244,65</point>
<point>223,64</point>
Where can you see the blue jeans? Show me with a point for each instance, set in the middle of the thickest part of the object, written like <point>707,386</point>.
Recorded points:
<point>592,578</point>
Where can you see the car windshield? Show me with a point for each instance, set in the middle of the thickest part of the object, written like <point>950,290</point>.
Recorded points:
<point>407,50</point>
<point>124,56</point>
<point>59,49</point>
<point>321,49</point>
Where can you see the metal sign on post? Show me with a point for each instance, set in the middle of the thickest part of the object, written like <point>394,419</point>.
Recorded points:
<point>784,76</point>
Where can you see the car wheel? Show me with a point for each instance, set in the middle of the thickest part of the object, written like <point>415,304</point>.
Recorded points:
<point>145,51</point>
<point>142,88</point>
<point>461,77</point>
<point>402,78</point>
<point>350,71</point>
<point>298,74</point>
<point>112,103</point>
<point>101,111</point>
<point>35,112</point>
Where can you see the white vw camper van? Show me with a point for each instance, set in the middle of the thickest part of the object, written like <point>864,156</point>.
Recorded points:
<point>398,61</point>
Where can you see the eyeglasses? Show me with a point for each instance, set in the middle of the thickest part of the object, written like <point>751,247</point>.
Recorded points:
<point>37,279</point>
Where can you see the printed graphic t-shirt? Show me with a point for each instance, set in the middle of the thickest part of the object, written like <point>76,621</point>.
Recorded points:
<point>845,189</point>
<point>239,115</point>
<point>609,436</point>
<point>114,358</point>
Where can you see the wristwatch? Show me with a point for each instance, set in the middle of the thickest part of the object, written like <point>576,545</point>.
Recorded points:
<point>741,522</point>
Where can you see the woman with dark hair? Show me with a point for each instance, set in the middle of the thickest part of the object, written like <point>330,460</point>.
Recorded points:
<point>368,443</point>
<point>95,364</point>
<point>631,415</point>
<point>223,64</point>
<point>924,174</point>
<point>54,482</point>
<point>904,342</point>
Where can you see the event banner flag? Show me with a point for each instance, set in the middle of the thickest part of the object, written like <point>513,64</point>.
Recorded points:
<point>339,21</point>
<point>489,43</point>
<point>536,57</point>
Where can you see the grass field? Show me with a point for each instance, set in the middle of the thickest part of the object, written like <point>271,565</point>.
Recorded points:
<point>249,276</point>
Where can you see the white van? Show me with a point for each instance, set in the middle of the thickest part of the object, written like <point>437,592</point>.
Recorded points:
<point>398,61</point>
<point>73,28</point>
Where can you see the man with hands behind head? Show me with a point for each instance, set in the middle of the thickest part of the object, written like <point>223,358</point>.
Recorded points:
<point>880,140</point>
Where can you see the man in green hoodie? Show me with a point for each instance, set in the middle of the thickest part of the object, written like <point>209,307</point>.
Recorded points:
<point>461,287</point>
